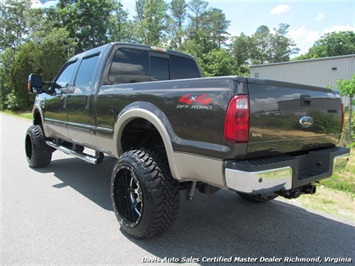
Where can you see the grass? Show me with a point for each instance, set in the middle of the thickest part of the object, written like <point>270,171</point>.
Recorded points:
<point>26,115</point>
<point>329,201</point>
<point>343,180</point>
<point>335,195</point>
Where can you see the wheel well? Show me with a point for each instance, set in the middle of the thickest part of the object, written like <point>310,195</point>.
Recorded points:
<point>139,134</point>
<point>37,120</point>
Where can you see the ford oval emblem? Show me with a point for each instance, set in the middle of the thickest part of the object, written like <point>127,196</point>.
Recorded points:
<point>306,121</point>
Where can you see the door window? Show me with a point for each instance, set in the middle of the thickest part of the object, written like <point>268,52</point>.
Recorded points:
<point>65,76</point>
<point>85,74</point>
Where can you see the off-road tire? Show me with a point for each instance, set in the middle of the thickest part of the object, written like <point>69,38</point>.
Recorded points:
<point>256,198</point>
<point>145,197</point>
<point>38,153</point>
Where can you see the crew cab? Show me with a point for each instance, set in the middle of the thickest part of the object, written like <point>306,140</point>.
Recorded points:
<point>171,129</point>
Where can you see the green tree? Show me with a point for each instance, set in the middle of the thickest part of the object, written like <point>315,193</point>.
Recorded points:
<point>140,10</point>
<point>217,63</point>
<point>14,27</point>
<point>260,45</point>
<point>271,47</point>
<point>120,27</point>
<point>176,31</point>
<point>152,18</point>
<point>347,88</point>
<point>6,85</point>
<point>240,54</point>
<point>138,30</point>
<point>57,46</point>
<point>154,22</point>
<point>14,32</point>
<point>43,21</point>
<point>88,22</point>
<point>206,26</point>
<point>24,64</point>
<point>281,47</point>
<point>215,25</point>
<point>197,9</point>
<point>332,44</point>
<point>195,32</point>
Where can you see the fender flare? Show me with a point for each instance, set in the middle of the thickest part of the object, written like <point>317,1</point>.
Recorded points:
<point>158,119</point>
<point>37,110</point>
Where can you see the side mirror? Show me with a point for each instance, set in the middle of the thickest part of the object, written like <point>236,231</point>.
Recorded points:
<point>35,83</point>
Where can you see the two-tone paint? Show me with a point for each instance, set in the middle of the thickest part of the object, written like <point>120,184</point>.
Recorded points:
<point>189,115</point>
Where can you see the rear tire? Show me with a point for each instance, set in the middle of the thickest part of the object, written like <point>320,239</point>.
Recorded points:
<point>38,153</point>
<point>259,198</point>
<point>145,197</point>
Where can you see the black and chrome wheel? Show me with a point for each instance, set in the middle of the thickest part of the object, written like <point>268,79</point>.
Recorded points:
<point>145,197</point>
<point>128,196</point>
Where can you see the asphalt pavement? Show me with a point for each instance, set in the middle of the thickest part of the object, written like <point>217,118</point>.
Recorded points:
<point>62,214</point>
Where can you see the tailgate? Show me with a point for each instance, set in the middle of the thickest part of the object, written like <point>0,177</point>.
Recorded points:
<point>287,117</point>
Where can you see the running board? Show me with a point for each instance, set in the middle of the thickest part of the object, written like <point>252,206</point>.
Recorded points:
<point>83,156</point>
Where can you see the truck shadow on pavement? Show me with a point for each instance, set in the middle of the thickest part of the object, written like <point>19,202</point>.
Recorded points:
<point>221,225</point>
<point>92,181</point>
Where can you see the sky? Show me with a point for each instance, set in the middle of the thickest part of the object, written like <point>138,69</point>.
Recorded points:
<point>308,19</point>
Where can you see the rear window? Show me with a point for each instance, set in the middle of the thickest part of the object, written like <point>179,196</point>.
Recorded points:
<point>133,65</point>
<point>159,68</point>
<point>182,68</point>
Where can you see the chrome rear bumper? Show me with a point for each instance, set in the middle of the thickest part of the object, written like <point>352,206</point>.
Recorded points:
<point>283,173</point>
<point>263,182</point>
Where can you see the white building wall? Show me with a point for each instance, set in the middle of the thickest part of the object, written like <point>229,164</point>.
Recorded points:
<point>321,72</point>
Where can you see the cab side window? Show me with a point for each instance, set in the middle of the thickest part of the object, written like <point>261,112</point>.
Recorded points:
<point>129,66</point>
<point>159,68</point>
<point>182,68</point>
<point>134,65</point>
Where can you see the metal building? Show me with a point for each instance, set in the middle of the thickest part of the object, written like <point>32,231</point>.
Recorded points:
<point>323,72</point>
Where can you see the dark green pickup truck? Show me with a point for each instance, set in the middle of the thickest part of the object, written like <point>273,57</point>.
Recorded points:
<point>170,130</point>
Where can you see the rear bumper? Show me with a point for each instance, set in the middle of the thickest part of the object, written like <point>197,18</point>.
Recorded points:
<point>270,175</point>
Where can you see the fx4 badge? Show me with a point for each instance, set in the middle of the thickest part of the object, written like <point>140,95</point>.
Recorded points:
<point>195,102</point>
<point>202,99</point>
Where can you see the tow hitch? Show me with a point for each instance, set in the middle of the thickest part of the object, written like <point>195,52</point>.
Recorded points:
<point>295,193</point>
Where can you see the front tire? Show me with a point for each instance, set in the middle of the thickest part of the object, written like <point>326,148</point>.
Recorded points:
<point>144,195</point>
<point>38,153</point>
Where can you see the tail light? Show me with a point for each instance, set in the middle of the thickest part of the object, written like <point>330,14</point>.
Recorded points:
<point>236,125</point>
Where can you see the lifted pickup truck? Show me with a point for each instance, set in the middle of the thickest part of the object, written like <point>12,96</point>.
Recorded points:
<point>172,130</point>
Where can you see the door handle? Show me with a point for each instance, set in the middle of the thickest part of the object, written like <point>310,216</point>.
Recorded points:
<point>65,103</point>
<point>306,100</point>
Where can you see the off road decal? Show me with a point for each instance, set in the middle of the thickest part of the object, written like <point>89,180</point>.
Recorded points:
<point>195,102</point>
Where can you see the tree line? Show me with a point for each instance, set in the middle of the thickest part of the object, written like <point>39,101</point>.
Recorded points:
<point>40,40</point>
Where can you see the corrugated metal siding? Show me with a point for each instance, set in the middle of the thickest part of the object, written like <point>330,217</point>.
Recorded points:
<point>321,72</point>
